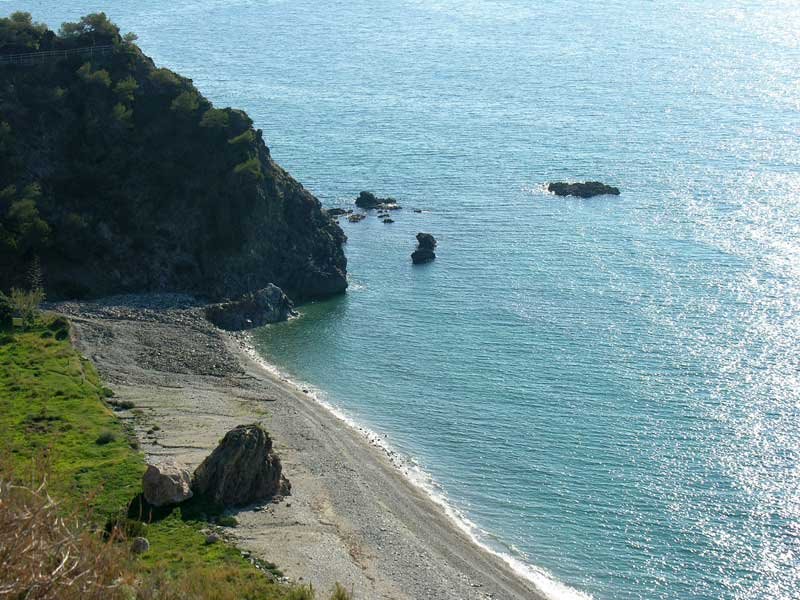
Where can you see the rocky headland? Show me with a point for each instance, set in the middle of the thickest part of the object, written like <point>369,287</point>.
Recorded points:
<point>127,179</point>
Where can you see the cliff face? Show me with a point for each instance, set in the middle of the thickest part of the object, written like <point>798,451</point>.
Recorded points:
<point>122,177</point>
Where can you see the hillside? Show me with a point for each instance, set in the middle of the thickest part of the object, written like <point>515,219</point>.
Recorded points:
<point>120,176</point>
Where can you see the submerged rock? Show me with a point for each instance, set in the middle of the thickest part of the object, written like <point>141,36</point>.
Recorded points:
<point>355,218</point>
<point>165,484</point>
<point>424,252</point>
<point>582,190</point>
<point>268,305</point>
<point>388,220</point>
<point>242,470</point>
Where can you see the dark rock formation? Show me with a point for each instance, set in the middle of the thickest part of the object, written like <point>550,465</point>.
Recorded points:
<point>417,210</point>
<point>582,190</point>
<point>338,212</point>
<point>424,252</point>
<point>356,217</point>
<point>426,241</point>
<point>368,201</point>
<point>388,220</point>
<point>242,470</point>
<point>161,192</point>
<point>254,309</point>
<point>166,484</point>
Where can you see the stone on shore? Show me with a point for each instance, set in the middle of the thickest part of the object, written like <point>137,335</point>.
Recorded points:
<point>166,484</point>
<point>268,305</point>
<point>424,252</point>
<point>140,545</point>
<point>582,190</point>
<point>242,470</point>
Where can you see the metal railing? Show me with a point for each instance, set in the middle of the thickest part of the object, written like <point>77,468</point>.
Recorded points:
<point>37,58</point>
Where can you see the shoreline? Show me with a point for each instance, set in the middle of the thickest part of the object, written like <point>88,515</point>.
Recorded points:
<point>353,516</point>
<point>545,584</point>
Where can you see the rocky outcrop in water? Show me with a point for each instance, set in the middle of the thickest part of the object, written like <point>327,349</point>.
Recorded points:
<point>582,190</point>
<point>424,252</point>
<point>368,201</point>
<point>356,217</point>
<point>254,309</point>
<point>242,470</point>
<point>166,484</point>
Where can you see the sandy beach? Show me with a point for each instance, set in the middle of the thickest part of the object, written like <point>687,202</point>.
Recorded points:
<point>352,516</point>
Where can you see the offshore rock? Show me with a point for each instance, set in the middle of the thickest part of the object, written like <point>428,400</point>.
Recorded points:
<point>582,190</point>
<point>424,252</point>
<point>268,305</point>
<point>355,218</point>
<point>242,470</point>
<point>165,484</point>
<point>368,201</point>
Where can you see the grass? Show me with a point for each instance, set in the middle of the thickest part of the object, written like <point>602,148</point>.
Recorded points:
<point>57,422</point>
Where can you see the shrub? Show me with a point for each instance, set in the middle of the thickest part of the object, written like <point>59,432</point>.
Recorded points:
<point>186,102</point>
<point>339,593</point>
<point>165,78</point>
<point>99,77</point>
<point>122,404</point>
<point>215,118</point>
<point>106,437</point>
<point>301,593</point>
<point>247,137</point>
<point>227,521</point>
<point>25,303</point>
<point>58,324</point>
<point>249,169</point>
<point>43,555</point>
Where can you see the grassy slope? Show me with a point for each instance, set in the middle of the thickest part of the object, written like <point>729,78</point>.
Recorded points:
<point>51,414</point>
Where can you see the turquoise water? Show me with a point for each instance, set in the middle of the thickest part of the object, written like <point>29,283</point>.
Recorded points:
<point>608,389</point>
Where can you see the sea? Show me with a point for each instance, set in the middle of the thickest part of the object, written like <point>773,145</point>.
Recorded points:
<point>606,392</point>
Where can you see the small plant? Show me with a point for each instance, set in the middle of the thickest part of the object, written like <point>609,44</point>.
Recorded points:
<point>108,393</point>
<point>227,521</point>
<point>339,593</point>
<point>25,304</point>
<point>122,404</point>
<point>105,437</point>
<point>301,593</point>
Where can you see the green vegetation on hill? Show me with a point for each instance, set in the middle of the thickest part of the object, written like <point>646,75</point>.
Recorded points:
<point>56,422</point>
<point>120,176</point>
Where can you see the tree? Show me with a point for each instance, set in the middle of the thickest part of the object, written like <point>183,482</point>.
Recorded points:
<point>96,27</point>
<point>186,102</point>
<point>126,88</point>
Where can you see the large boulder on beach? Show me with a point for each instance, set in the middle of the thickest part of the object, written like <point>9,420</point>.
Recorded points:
<point>424,252</point>
<point>582,190</point>
<point>166,484</point>
<point>267,305</point>
<point>242,470</point>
